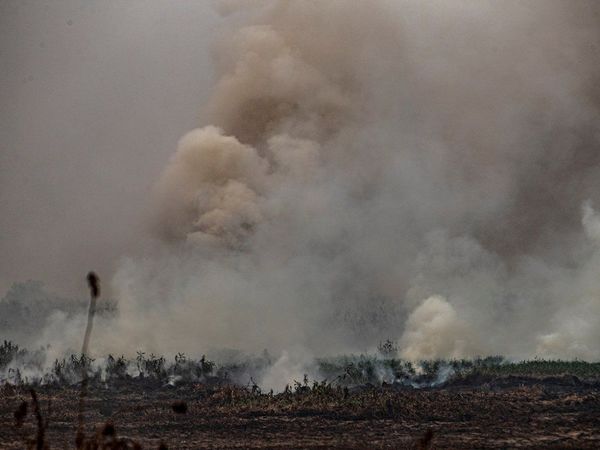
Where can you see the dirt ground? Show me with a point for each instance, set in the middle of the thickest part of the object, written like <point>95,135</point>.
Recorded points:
<point>508,413</point>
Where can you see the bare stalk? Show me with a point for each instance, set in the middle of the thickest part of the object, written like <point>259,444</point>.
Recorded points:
<point>94,285</point>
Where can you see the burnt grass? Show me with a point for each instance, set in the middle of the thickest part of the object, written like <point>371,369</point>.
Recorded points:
<point>476,411</point>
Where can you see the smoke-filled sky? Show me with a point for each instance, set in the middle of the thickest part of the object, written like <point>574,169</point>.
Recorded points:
<point>94,96</point>
<point>355,171</point>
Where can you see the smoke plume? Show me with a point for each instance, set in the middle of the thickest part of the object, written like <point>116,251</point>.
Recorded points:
<point>420,171</point>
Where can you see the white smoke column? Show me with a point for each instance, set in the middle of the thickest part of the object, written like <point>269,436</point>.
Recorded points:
<point>434,330</point>
<point>373,170</point>
<point>290,368</point>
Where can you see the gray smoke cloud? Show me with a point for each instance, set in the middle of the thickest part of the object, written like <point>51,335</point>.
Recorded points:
<point>94,95</point>
<point>421,171</point>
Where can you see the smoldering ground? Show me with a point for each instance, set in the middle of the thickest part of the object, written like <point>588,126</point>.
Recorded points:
<point>421,171</point>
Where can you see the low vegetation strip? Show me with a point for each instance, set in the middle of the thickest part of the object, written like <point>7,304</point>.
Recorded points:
<point>20,366</point>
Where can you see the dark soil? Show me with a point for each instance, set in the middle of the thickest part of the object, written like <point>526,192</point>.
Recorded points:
<point>511,412</point>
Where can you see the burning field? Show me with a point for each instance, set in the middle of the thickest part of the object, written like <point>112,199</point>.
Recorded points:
<point>194,404</point>
<point>375,197</point>
<point>362,401</point>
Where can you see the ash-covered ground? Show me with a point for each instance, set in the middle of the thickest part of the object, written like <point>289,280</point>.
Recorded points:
<point>482,412</point>
<point>356,401</point>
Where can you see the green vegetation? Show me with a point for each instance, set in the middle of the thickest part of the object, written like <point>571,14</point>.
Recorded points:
<point>543,368</point>
<point>21,366</point>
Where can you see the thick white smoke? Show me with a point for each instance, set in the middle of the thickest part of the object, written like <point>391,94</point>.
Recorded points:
<point>372,170</point>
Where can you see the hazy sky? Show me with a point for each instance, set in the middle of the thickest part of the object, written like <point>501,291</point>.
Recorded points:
<point>427,171</point>
<point>94,96</point>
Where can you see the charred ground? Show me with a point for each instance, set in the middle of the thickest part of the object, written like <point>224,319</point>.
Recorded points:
<point>558,412</point>
<point>189,403</point>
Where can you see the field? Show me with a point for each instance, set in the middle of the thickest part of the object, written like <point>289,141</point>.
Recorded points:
<point>513,412</point>
<point>487,403</point>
